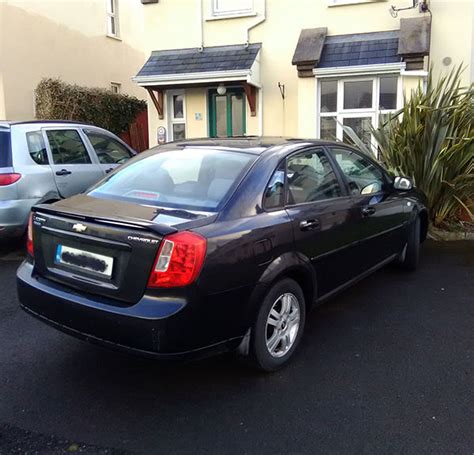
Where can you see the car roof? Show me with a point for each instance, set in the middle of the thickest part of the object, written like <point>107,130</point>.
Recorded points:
<point>39,122</point>
<point>250,144</point>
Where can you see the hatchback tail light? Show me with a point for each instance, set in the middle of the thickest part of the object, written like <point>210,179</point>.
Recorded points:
<point>29,236</point>
<point>8,179</point>
<point>179,260</point>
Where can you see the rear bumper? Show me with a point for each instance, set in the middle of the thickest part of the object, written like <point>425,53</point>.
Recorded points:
<point>154,328</point>
<point>14,216</point>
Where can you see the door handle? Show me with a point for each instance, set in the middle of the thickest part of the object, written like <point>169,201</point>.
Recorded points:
<point>367,211</point>
<point>309,225</point>
<point>63,172</point>
<point>109,170</point>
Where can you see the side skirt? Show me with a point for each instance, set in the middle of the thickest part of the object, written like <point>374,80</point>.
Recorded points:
<point>356,279</point>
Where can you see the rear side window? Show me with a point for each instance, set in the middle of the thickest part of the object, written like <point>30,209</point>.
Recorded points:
<point>275,192</point>
<point>5,149</point>
<point>108,150</point>
<point>193,178</point>
<point>36,147</point>
<point>67,147</point>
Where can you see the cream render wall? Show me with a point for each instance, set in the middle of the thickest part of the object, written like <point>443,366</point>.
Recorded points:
<point>65,39</point>
<point>174,24</point>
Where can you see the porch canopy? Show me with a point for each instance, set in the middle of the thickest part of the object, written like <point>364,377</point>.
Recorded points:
<point>194,67</point>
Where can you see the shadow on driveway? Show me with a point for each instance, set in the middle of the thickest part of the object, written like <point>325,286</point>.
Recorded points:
<point>386,367</point>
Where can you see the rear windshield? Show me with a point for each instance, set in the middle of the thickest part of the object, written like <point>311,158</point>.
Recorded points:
<point>5,154</point>
<point>192,178</point>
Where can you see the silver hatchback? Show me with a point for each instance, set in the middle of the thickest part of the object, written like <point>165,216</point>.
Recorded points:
<point>44,161</point>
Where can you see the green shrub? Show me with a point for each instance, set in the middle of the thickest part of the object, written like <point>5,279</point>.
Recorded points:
<point>57,100</point>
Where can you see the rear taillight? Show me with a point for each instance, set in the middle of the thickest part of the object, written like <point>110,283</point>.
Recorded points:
<point>8,179</point>
<point>179,260</point>
<point>29,236</point>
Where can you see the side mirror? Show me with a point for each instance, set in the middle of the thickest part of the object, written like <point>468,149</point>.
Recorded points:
<point>402,184</point>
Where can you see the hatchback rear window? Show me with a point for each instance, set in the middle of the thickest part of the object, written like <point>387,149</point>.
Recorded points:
<point>193,178</point>
<point>5,149</point>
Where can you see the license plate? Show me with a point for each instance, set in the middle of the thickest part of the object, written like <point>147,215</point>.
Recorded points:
<point>85,260</point>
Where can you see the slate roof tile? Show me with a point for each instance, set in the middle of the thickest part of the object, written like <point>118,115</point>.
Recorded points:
<point>217,58</point>
<point>360,49</point>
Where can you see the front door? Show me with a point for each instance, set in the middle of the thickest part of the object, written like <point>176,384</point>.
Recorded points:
<point>380,212</point>
<point>227,113</point>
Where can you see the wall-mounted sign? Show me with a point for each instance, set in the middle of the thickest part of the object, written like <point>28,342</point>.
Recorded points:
<point>161,135</point>
<point>197,116</point>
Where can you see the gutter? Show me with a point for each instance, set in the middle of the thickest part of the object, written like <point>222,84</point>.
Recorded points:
<point>257,22</point>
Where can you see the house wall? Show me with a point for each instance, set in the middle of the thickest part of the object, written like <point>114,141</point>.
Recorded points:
<point>67,40</point>
<point>170,24</point>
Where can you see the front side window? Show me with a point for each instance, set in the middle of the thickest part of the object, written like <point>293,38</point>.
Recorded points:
<point>232,7</point>
<point>192,178</point>
<point>36,147</point>
<point>355,103</point>
<point>311,178</point>
<point>108,150</point>
<point>112,18</point>
<point>362,176</point>
<point>67,147</point>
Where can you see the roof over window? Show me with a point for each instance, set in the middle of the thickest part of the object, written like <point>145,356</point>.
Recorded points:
<point>360,49</point>
<point>191,66</point>
<point>316,51</point>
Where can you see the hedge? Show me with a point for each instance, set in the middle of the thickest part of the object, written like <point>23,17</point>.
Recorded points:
<point>57,100</point>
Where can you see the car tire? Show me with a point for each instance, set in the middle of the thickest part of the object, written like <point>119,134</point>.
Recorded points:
<point>279,326</point>
<point>412,252</point>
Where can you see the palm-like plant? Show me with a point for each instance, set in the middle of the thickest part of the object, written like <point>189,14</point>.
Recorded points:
<point>431,140</point>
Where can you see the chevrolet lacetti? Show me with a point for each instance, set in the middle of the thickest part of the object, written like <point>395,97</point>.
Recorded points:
<point>205,246</point>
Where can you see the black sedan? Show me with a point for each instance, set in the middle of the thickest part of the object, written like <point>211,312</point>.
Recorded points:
<point>206,246</point>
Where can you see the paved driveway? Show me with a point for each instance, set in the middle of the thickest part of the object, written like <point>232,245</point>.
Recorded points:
<point>387,367</point>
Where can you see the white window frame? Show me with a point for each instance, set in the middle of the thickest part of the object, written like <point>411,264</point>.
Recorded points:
<point>216,13</point>
<point>171,118</point>
<point>373,113</point>
<point>113,17</point>
<point>351,2</point>
<point>116,87</point>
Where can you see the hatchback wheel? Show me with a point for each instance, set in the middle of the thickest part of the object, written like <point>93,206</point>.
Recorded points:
<point>279,325</point>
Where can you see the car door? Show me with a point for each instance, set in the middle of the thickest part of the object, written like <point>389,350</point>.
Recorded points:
<point>380,212</point>
<point>320,210</point>
<point>73,167</point>
<point>110,152</point>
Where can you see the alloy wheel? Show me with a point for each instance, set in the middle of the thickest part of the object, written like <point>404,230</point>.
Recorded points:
<point>283,323</point>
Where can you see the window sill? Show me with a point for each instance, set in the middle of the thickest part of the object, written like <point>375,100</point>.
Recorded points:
<point>332,3</point>
<point>230,16</point>
<point>115,37</point>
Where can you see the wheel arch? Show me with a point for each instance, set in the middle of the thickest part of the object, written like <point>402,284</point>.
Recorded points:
<point>289,265</point>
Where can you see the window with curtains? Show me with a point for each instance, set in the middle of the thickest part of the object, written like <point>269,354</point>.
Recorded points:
<point>357,103</point>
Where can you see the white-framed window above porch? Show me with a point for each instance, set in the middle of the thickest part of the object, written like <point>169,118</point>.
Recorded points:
<point>232,8</point>
<point>176,114</point>
<point>357,102</point>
